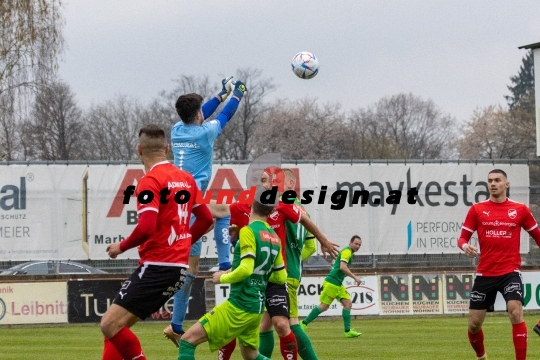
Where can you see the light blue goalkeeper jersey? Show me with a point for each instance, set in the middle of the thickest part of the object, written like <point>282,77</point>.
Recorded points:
<point>193,145</point>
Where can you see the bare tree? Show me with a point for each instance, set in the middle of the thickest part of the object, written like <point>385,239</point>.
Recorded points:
<point>186,84</point>
<point>113,129</point>
<point>31,40</point>
<point>368,137</point>
<point>303,129</point>
<point>236,141</point>
<point>406,126</point>
<point>56,130</point>
<point>494,133</point>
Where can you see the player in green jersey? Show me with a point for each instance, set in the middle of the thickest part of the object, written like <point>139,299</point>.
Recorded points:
<point>257,260</point>
<point>333,288</point>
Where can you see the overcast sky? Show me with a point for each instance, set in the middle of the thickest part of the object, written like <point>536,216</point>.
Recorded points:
<point>460,54</point>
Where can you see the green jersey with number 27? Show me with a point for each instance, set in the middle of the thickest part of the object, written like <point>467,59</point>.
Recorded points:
<point>259,241</point>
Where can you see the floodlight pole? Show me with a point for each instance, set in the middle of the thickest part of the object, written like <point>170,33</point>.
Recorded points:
<point>536,58</point>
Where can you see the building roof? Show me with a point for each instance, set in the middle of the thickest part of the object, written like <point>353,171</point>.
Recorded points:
<point>530,46</point>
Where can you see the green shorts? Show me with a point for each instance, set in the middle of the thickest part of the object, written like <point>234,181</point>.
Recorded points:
<point>331,292</point>
<point>292,288</point>
<point>226,322</point>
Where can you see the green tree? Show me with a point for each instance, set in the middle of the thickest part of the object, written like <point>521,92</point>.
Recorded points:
<point>522,87</point>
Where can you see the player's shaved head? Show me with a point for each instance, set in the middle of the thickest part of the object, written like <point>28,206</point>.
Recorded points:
<point>152,140</point>
<point>261,209</point>
<point>498,171</point>
<point>188,106</point>
<point>289,174</point>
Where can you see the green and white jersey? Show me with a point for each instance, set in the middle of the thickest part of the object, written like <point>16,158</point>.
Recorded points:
<point>336,276</point>
<point>296,236</point>
<point>259,241</point>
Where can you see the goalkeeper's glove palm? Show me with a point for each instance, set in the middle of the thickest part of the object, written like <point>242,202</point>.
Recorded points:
<point>227,86</point>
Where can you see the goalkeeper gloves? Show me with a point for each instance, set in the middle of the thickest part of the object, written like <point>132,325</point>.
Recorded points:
<point>227,86</point>
<point>239,89</point>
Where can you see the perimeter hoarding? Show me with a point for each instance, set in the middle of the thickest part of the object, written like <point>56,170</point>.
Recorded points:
<point>90,299</point>
<point>41,212</point>
<point>531,292</point>
<point>457,292</point>
<point>46,200</point>
<point>364,296</point>
<point>33,303</point>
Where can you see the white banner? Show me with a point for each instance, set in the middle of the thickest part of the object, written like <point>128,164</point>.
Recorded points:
<point>33,303</point>
<point>41,212</point>
<point>531,292</point>
<point>364,297</point>
<point>41,208</point>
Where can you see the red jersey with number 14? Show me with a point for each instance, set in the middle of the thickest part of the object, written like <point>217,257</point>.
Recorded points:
<point>498,226</point>
<point>170,244</point>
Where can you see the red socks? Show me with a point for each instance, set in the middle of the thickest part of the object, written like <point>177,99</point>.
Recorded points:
<point>110,352</point>
<point>225,352</point>
<point>127,345</point>
<point>289,347</point>
<point>477,342</point>
<point>519,335</point>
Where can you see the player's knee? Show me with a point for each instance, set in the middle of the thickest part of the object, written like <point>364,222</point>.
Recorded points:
<point>107,326</point>
<point>281,324</point>
<point>515,314</point>
<point>323,307</point>
<point>475,325</point>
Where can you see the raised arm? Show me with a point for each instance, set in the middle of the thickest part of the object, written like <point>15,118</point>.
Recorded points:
<point>230,109</point>
<point>327,247</point>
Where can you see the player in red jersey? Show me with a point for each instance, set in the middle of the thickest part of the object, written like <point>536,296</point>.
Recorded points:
<point>165,201</point>
<point>277,297</point>
<point>498,222</point>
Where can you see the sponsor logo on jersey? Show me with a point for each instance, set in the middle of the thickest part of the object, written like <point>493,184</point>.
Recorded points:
<point>256,282</point>
<point>266,236</point>
<point>476,296</point>
<point>185,145</point>
<point>274,216</point>
<point>177,237</point>
<point>498,223</point>
<point>125,285</point>
<point>512,287</point>
<point>178,184</point>
<point>496,232</point>
<point>277,300</point>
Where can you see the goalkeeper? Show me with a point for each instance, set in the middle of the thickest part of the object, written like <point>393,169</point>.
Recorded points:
<point>192,142</point>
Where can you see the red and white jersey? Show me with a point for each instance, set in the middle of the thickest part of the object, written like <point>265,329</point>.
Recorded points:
<point>498,226</point>
<point>239,214</point>
<point>292,212</point>
<point>171,243</point>
<point>276,220</point>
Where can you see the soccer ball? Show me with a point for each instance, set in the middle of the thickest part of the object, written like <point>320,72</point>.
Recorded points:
<point>305,65</point>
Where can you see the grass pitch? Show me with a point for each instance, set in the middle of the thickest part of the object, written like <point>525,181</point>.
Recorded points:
<point>414,338</point>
